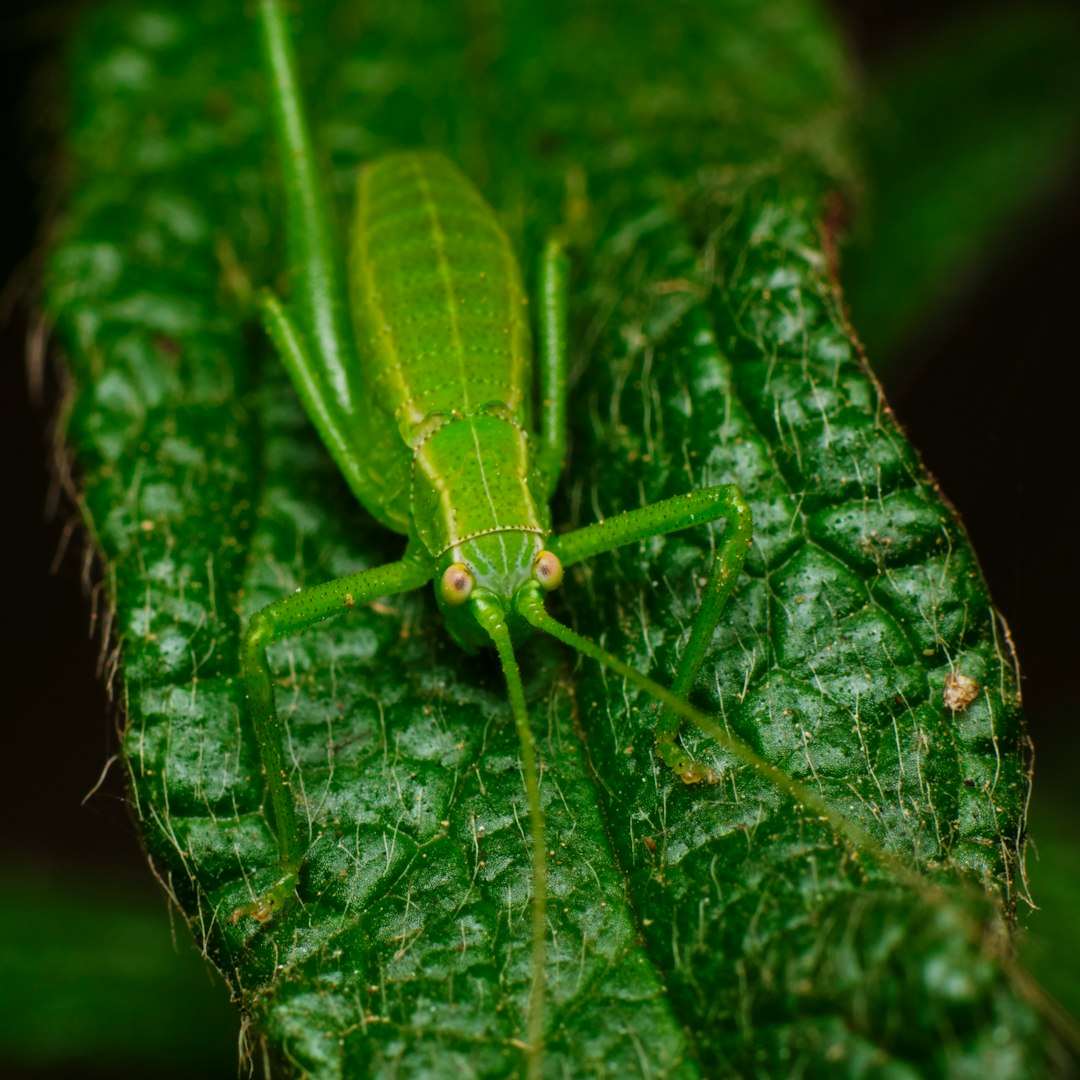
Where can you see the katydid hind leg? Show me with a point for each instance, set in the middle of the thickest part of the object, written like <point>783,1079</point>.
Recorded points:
<point>313,334</point>
<point>318,289</point>
<point>287,616</point>
<point>552,285</point>
<point>293,347</point>
<point>723,502</point>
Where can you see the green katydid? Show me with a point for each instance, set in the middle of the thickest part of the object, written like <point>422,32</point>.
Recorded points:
<point>422,390</point>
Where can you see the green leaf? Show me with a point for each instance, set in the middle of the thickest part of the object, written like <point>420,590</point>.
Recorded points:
<point>966,136</point>
<point>696,931</point>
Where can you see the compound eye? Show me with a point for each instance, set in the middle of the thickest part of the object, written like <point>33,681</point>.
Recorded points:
<point>548,570</point>
<point>456,583</point>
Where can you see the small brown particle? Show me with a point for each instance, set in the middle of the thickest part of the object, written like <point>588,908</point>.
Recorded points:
<point>960,691</point>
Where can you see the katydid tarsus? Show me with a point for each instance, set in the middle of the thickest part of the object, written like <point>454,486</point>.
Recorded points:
<point>422,389</point>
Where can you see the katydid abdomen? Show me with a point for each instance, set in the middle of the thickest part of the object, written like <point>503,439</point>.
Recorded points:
<point>440,312</point>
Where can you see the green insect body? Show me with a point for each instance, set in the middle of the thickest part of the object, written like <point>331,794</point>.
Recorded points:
<point>442,324</point>
<point>420,382</point>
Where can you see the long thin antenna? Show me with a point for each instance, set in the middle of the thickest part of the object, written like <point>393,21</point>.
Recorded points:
<point>531,607</point>
<point>494,622</point>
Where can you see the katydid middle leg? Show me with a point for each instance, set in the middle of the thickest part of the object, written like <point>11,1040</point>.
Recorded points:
<point>698,507</point>
<point>695,508</point>
<point>288,616</point>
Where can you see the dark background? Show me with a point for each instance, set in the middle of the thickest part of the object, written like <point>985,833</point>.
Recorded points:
<point>989,406</point>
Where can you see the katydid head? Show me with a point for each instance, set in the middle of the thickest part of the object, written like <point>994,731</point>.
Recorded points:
<point>487,574</point>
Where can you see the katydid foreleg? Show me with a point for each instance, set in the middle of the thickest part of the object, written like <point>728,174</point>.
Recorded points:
<point>288,616</point>
<point>695,508</point>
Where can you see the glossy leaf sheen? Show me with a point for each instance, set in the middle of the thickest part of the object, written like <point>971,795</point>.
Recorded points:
<point>696,930</point>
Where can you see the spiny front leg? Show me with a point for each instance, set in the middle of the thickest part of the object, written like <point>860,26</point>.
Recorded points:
<point>288,616</point>
<point>695,508</point>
